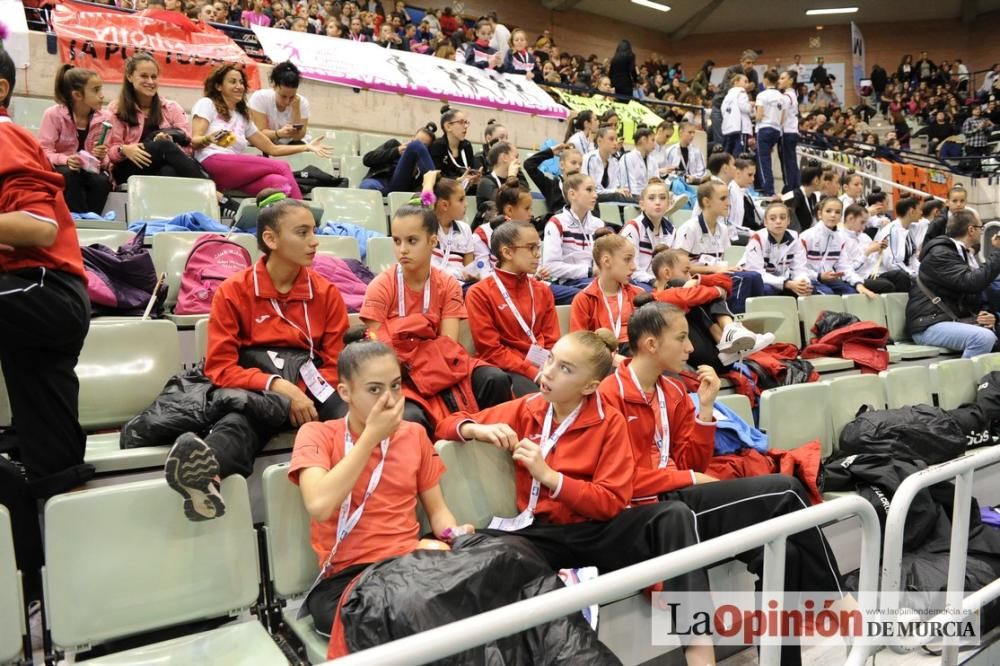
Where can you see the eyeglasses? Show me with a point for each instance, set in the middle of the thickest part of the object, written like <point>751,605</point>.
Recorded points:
<point>534,248</point>
<point>460,122</point>
<point>978,226</point>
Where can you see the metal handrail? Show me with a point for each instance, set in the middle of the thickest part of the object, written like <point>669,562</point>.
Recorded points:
<point>960,469</point>
<point>452,638</point>
<point>868,176</point>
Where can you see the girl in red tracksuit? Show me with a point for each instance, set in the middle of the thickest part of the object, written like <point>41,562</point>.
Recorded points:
<point>573,468</point>
<point>515,314</point>
<point>277,304</point>
<point>672,445</point>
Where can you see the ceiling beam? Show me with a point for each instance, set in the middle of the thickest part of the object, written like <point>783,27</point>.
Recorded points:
<point>699,17</point>
<point>970,10</point>
<point>560,5</point>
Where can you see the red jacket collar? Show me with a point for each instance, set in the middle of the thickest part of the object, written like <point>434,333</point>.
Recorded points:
<point>263,287</point>
<point>631,393</point>
<point>591,414</point>
<point>512,280</point>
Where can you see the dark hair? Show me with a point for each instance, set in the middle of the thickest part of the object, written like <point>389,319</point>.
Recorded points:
<point>69,80</point>
<point>447,115</point>
<point>905,205</point>
<point>608,115</point>
<point>809,174</point>
<point>706,189</point>
<point>740,163</point>
<point>270,216</point>
<point>930,207</point>
<point>624,48</point>
<point>358,349</point>
<point>485,214</point>
<point>640,134</point>
<point>445,188</point>
<point>793,75</point>
<point>664,256</point>
<point>286,75</point>
<point>9,74</point>
<point>826,200</point>
<point>128,101</point>
<point>499,148</point>
<point>579,120</point>
<point>876,197</point>
<point>717,161</point>
<point>848,176</point>
<point>426,215</point>
<point>606,130</point>
<point>650,317</point>
<point>855,210</point>
<point>216,78</point>
<point>491,127</point>
<point>509,195</point>
<point>771,76</point>
<point>503,236</point>
<point>959,223</point>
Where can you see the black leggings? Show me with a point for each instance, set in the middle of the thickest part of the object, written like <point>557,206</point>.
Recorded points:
<point>491,386</point>
<point>85,192</point>
<point>890,282</point>
<point>167,159</point>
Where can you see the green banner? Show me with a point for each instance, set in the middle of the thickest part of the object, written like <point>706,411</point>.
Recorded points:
<point>631,114</point>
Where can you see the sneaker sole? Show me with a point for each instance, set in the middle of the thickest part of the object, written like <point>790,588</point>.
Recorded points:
<point>190,470</point>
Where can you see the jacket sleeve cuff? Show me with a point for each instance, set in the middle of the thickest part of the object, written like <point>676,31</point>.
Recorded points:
<point>270,380</point>
<point>694,479</point>
<point>559,486</point>
<point>458,429</point>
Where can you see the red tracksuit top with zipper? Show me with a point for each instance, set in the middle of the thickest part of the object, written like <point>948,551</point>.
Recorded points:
<point>692,442</point>
<point>243,315</point>
<point>593,456</point>
<point>589,312</point>
<point>499,339</point>
<point>29,185</point>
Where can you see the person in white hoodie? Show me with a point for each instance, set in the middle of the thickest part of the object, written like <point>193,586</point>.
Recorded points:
<point>602,165</point>
<point>745,214</point>
<point>901,252</point>
<point>864,254</point>
<point>567,253</point>
<point>776,253</point>
<point>827,259</point>
<point>650,230</point>
<point>638,164</point>
<point>736,109</point>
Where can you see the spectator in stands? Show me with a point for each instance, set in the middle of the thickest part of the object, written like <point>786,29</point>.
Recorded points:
<point>517,339</point>
<point>925,68</point>
<point>255,15</point>
<point>699,84</point>
<point>513,204</point>
<point>501,40</point>
<point>448,21</point>
<point>745,216</point>
<point>334,29</point>
<point>480,54</point>
<point>901,252</point>
<point>44,317</point>
<point>650,230</point>
<point>453,253</point>
<point>819,76</point>
<point>388,39</point>
<point>638,164</point>
<point>937,131</point>
<point>736,109</point>
<point>452,152</point>
<point>504,167</point>
<point>73,136</point>
<point>673,443</point>
<point>569,239</point>
<point>853,185</point>
<point>398,167</point>
<point>803,200</point>
<point>622,69</point>
<point>277,304</point>
<point>929,210</point>
<point>863,254</point>
<point>976,129</point>
<point>946,306</point>
<point>280,113</point>
<point>222,131</point>
<point>771,107</point>
<point>745,67</point>
<point>518,59</point>
<point>355,32</point>
<point>580,131</point>
<point>828,261</point>
<point>776,253</point>
<point>570,162</point>
<point>829,185</point>
<point>493,134</point>
<point>414,286</point>
<point>606,169</point>
<point>684,159</point>
<point>206,13</point>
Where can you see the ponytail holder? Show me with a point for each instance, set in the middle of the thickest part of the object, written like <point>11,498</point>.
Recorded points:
<point>425,200</point>
<point>272,199</point>
<point>370,335</point>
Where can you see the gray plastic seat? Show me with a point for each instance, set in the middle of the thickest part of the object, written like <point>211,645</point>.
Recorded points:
<point>170,253</point>
<point>381,254</point>
<point>795,415</point>
<point>985,364</point>
<point>810,308</point>
<point>28,111</point>
<point>865,309</point>
<point>369,141</point>
<point>342,247</point>
<point>162,198</point>
<point>895,316</point>
<point>734,254</point>
<point>354,206</point>
<point>910,385</point>
<point>397,200</point>
<point>299,161</point>
<point>848,394</point>
<point>562,312</point>
<point>113,238</point>
<point>12,629</point>
<point>740,404</point>
<point>788,329</point>
<point>122,560</point>
<point>954,382</point>
<point>354,170</point>
<point>478,483</point>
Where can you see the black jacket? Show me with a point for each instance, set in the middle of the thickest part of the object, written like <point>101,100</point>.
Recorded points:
<point>551,188</point>
<point>946,274</point>
<point>382,161</point>
<point>446,163</point>
<point>880,78</point>
<point>802,212</point>
<point>488,187</point>
<point>819,75</point>
<point>621,71</point>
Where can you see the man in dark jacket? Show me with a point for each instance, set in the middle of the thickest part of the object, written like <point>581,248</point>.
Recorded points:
<point>946,305</point>
<point>819,74</point>
<point>744,67</point>
<point>398,167</point>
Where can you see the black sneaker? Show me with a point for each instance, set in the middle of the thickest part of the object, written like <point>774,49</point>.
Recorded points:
<point>193,471</point>
<point>228,208</point>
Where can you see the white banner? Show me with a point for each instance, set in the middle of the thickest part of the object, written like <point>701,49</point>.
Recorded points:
<point>858,57</point>
<point>16,26</point>
<point>370,67</point>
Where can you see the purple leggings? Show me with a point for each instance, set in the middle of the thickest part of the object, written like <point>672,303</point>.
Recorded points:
<point>251,173</point>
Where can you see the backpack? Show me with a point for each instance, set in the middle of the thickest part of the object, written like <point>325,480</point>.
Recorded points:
<point>212,259</point>
<point>121,282</point>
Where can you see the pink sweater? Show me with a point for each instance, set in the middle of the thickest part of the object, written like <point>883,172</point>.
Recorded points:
<point>58,137</point>
<point>173,116</point>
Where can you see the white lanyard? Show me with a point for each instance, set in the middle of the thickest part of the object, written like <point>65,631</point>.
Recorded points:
<point>588,238</point>
<point>782,261</point>
<point>307,332</point>
<point>401,292</point>
<point>662,436</point>
<point>529,331</point>
<point>616,324</point>
<point>446,239</point>
<point>826,252</point>
<point>549,443</point>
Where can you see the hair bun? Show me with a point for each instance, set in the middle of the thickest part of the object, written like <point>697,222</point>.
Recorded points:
<point>431,128</point>
<point>445,109</point>
<point>642,299</point>
<point>609,339</point>
<point>356,333</point>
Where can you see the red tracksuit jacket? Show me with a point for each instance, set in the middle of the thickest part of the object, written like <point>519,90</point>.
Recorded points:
<point>594,457</point>
<point>589,313</point>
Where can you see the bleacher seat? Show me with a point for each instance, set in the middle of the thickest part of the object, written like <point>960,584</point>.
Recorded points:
<point>353,170</point>
<point>12,629</point>
<point>118,224</point>
<point>734,254</point>
<point>848,394</point>
<point>344,142</point>
<point>864,308</point>
<point>910,385</point>
<point>738,403</point>
<point>355,206</point>
<point>895,316</point>
<point>538,208</point>
<point>160,198</point>
<point>478,483</point>
<point>201,338</point>
<point>28,111</point>
<point>782,416</point>
<point>789,330</point>
<point>123,559</point>
<point>985,364</point>
<point>397,200</point>
<point>381,254</point>
<point>953,381</point>
<point>677,218</point>
<point>343,247</point>
<point>291,561</point>
<point>370,141</point>
<point>300,161</point>
<point>611,213</point>
<point>170,253</point>
<point>810,307</point>
<point>113,238</point>
<point>562,311</point>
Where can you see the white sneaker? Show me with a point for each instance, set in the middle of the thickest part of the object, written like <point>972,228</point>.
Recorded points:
<point>679,202</point>
<point>736,344</point>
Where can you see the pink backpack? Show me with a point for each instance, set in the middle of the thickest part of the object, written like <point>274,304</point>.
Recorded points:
<point>212,259</point>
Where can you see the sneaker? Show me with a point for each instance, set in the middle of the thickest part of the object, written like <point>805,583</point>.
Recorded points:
<point>736,339</point>
<point>740,340</point>
<point>228,207</point>
<point>193,471</point>
<point>679,202</point>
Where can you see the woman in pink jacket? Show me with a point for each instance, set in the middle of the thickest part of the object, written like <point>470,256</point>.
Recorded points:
<point>71,135</point>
